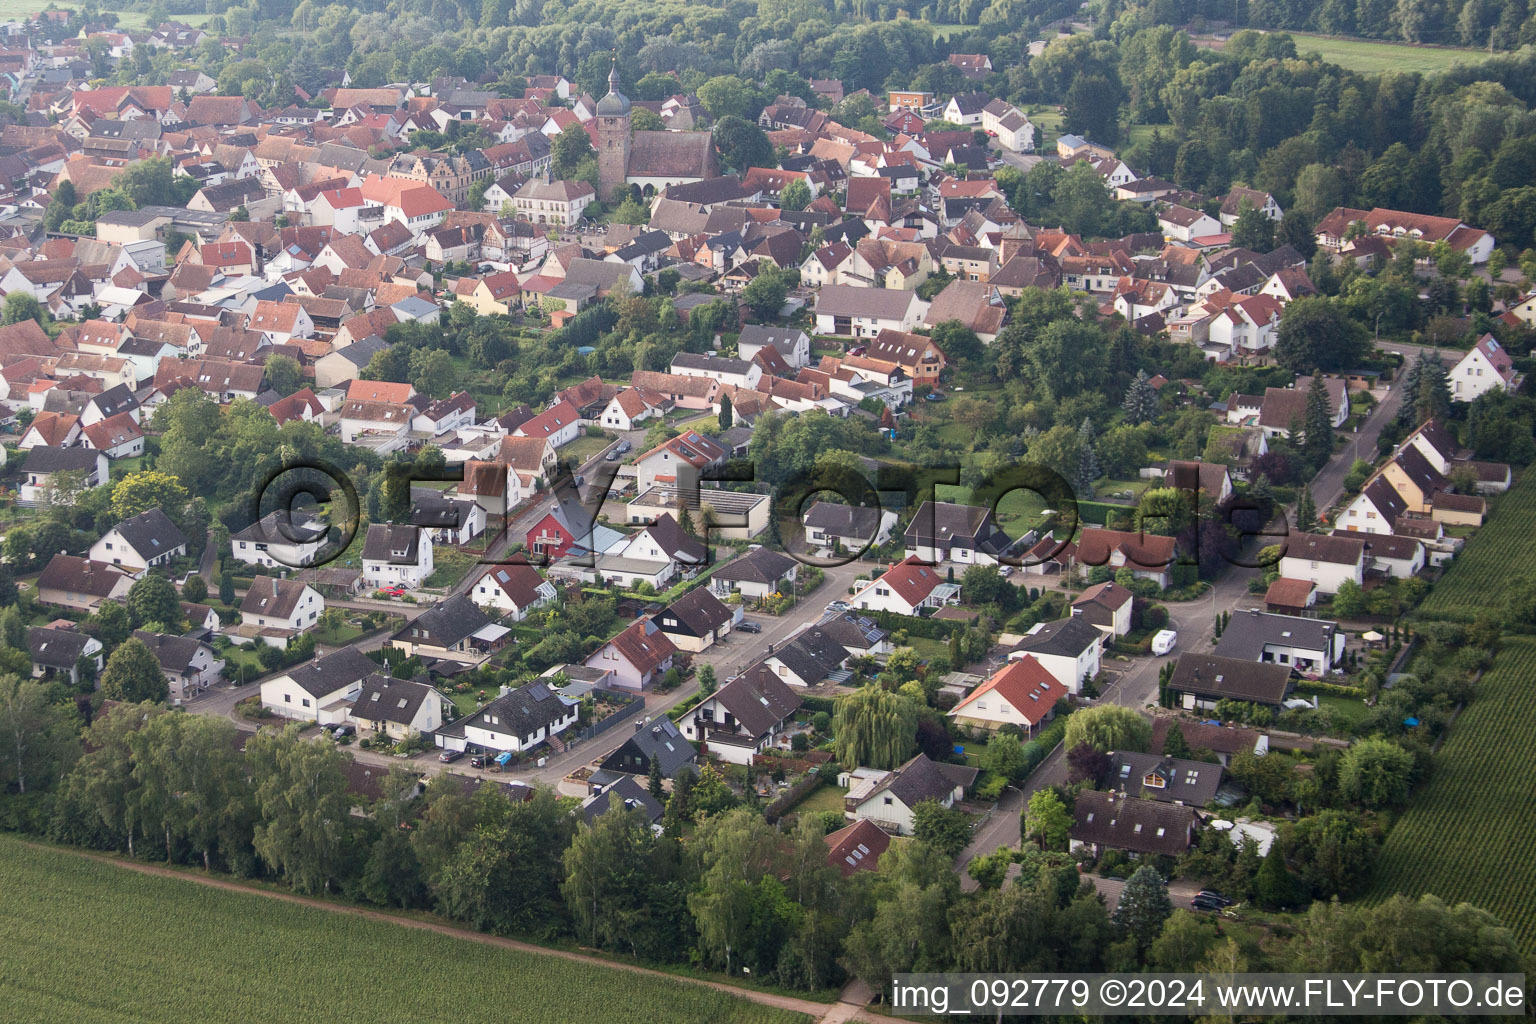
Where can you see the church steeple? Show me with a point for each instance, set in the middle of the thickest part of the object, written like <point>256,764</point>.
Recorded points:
<point>613,142</point>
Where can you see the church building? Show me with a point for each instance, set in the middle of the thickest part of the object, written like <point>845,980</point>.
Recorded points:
<point>657,159</point>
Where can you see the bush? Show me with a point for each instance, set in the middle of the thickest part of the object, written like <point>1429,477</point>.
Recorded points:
<point>821,722</point>
<point>800,742</point>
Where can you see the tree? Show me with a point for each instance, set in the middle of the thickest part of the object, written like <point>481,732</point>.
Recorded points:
<point>195,589</point>
<point>1086,763</point>
<point>36,740</point>
<point>1183,943</point>
<point>1274,887</point>
<point>604,884</point>
<point>284,375</point>
<point>305,812</point>
<point>1005,756</point>
<point>1376,773</point>
<point>742,144</point>
<point>1432,397</point>
<point>727,96</point>
<point>432,372</point>
<point>946,829</point>
<point>152,599</point>
<point>1253,229</point>
<point>20,306</point>
<point>1315,332</point>
<point>1109,727</point>
<point>1144,907</point>
<point>1047,821</point>
<point>133,675</point>
<point>795,196</point>
<point>1318,422</point>
<point>189,785</point>
<point>1427,933</point>
<point>226,588</point>
<point>707,683</point>
<point>1141,399</point>
<point>1087,460</point>
<point>1306,511</point>
<point>765,293</point>
<point>874,728</point>
<point>571,147</point>
<point>1335,852</point>
<point>1093,108</point>
<point>726,416</point>
<point>139,492</point>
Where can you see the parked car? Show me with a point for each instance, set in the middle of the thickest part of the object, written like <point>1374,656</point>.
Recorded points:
<point>477,762</point>
<point>624,446</point>
<point>1212,894</point>
<point>838,606</point>
<point>748,626</point>
<point>1005,571</point>
<point>344,730</point>
<point>450,756</point>
<point>612,456</point>
<point>1206,903</point>
<point>1164,641</point>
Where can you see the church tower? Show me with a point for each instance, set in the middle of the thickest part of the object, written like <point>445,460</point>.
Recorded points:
<point>612,137</point>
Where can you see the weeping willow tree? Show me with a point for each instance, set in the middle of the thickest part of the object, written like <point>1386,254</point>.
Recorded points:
<point>875,728</point>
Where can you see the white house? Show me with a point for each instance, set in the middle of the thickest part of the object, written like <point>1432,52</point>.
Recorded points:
<point>290,540</point>
<point>516,720</point>
<point>1309,646</point>
<point>1487,365</point>
<point>275,609</point>
<point>865,312</point>
<point>1182,224</point>
<point>906,588</point>
<point>320,690</point>
<point>559,425</point>
<point>854,527</point>
<point>141,542</point>
<point>742,718</point>
<point>889,798</point>
<point>515,588</point>
<point>396,555</point>
<point>1021,693</point>
<point>1107,606</point>
<point>1069,649</point>
<point>189,665</point>
<point>1326,562</point>
<point>397,708</point>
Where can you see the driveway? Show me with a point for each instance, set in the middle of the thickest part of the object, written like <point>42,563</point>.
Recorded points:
<point>1179,891</point>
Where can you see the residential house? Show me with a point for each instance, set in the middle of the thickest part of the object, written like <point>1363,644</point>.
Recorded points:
<point>625,793</point>
<point>1311,647</point>
<point>941,531</point>
<point>1171,780</point>
<point>1021,693</point>
<point>759,573</point>
<point>1201,680</point>
<point>189,665</point>
<point>1325,562</point>
<point>890,799</point>
<point>141,542</point>
<point>696,620</point>
<point>906,588</point>
<point>451,630</point>
<point>1180,223</point>
<point>513,588</point>
<point>396,555</point>
<point>281,538</point>
<point>744,717</point>
<point>396,708</point>
<point>57,476</point>
<point>1487,365</point>
<point>1148,556</point>
<point>865,312</point>
<point>1108,821</point>
<point>1069,649</point>
<point>81,584</point>
<point>1106,605</point>
<point>659,742</point>
<point>637,657</point>
<point>277,609</point>
<point>856,847</point>
<point>851,527</point>
<point>61,653</point>
<point>917,355</point>
<point>320,690</point>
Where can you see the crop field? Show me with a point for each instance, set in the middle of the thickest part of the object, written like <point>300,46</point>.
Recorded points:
<point>1467,835</point>
<point>89,942</point>
<point>1371,56</point>
<point>1499,552</point>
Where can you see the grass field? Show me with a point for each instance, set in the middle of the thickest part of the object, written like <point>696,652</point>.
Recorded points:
<point>1498,553</point>
<point>1467,835</point>
<point>90,942</point>
<point>18,9</point>
<point>1373,55</point>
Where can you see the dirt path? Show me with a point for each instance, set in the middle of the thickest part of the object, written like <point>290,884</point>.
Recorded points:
<point>843,1010</point>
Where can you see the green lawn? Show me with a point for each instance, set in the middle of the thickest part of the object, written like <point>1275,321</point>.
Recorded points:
<point>584,447</point>
<point>825,797</point>
<point>89,942</point>
<point>1370,55</point>
<point>449,565</point>
<point>1346,711</point>
<point>18,9</point>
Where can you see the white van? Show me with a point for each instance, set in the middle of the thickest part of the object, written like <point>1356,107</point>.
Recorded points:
<point>1164,641</point>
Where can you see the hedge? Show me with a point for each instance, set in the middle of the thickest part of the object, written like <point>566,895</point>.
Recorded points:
<point>815,704</point>
<point>1039,748</point>
<point>930,629</point>
<point>1331,689</point>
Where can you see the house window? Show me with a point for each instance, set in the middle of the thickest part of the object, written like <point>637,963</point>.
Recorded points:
<point>306,702</point>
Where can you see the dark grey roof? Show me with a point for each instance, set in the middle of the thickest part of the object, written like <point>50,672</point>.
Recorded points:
<point>945,524</point>
<point>1128,823</point>
<point>758,700</point>
<point>283,527</point>
<point>174,653</point>
<point>48,459</point>
<point>56,648</point>
<point>151,533</point>
<point>324,676</point>
<point>812,655</point>
<point>446,623</point>
<point>855,632</point>
<point>1193,783</point>
<point>392,542</point>
<point>361,351</point>
<point>383,699</point>
<point>857,521</point>
<point>1245,636</point>
<point>660,741</point>
<point>925,779</point>
<point>757,566</point>
<point>626,794</point>
<point>115,399</point>
<point>1210,676</point>
<point>523,711</point>
<point>782,338</point>
<point>1065,637</point>
<point>699,610</point>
